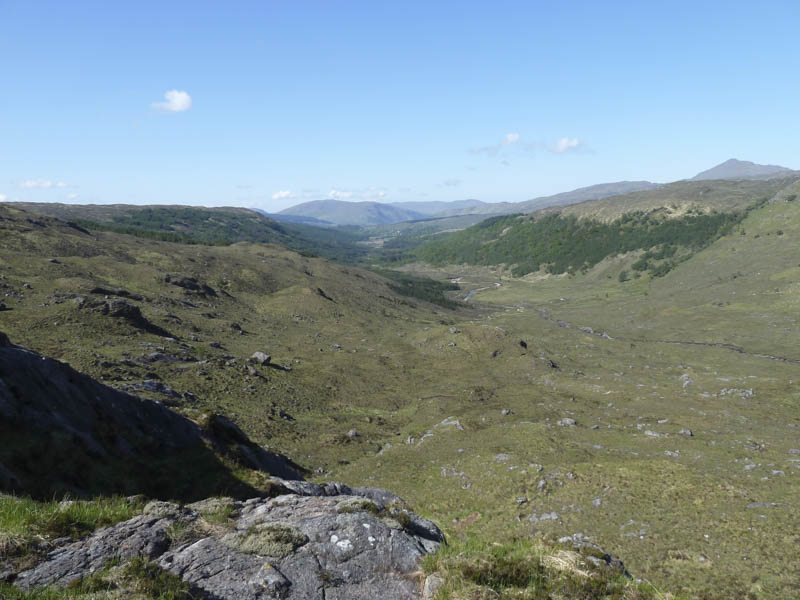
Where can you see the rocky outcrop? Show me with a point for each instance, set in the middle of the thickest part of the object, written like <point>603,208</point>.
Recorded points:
<point>63,431</point>
<point>122,309</point>
<point>319,542</point>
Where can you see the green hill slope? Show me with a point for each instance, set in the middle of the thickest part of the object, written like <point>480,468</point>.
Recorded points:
<point>206,226</point>
<point>672,223</point>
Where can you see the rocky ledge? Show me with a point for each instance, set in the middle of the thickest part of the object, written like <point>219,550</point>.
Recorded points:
<point>316,542</point>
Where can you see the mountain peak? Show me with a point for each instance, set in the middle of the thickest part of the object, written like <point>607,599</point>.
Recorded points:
<point>740,169</point>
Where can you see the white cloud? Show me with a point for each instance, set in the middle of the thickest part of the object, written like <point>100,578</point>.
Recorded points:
<point>280,195</point>
<point>3,197</point>
<point>176,101</point>
<point>72,196</point>
<point>494,149</point>
<point>566,144</point>
<point>339,194</point>
<point>40,184</point>
<point>373,193</point>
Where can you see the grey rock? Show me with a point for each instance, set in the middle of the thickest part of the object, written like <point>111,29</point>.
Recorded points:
<point>157,387</point>
<point>451,422</point>
<point>653,434</point>
<point>261,358</point>
<point>214,568</point>
<point>794,451</point>
<point>327,544</point>
<point>551,516</point>
<point>432,583</point>
<point>506,412</point>
<point>143,536</point>
<point>686,432</point>
<point>159,508</point>
<point>566,422</point>
<point>211,505</point>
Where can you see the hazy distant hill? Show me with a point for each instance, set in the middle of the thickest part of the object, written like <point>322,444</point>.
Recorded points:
<point>340,212</point>
<point>440,207</point>
<point>741,169</point>
<point>592,192</point>
<point>299,219</point>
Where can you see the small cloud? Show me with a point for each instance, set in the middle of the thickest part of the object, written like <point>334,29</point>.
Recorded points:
<point>282,194</point>
<point>3,197</point>
<point>566,144</point>
<point>505,163</point>
<point>339,194</point>
<point>40,184</point>
<point>372,193</point>
<point>176,101</point>
<point>452,182</point>
<point>494,149</point>
<point>72,196</point>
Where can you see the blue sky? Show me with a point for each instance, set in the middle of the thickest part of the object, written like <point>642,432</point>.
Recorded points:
<point>275,103</point>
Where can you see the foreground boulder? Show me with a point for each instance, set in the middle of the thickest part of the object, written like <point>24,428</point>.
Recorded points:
<point>325,543</point>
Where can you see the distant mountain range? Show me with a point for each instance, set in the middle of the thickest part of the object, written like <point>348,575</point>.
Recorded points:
<point>338,212</point>
<point>328,213</point>
<point>741,169</point>
<point>592,192</point>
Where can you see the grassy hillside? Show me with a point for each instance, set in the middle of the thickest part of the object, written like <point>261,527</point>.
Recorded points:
<point>206,226</point>
<point>682,457</point>
<point>680,197</point>
<point>671,223</point>
<point>560,244</point>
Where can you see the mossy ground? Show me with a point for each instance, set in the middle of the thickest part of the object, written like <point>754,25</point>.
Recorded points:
<point>528,569</point>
